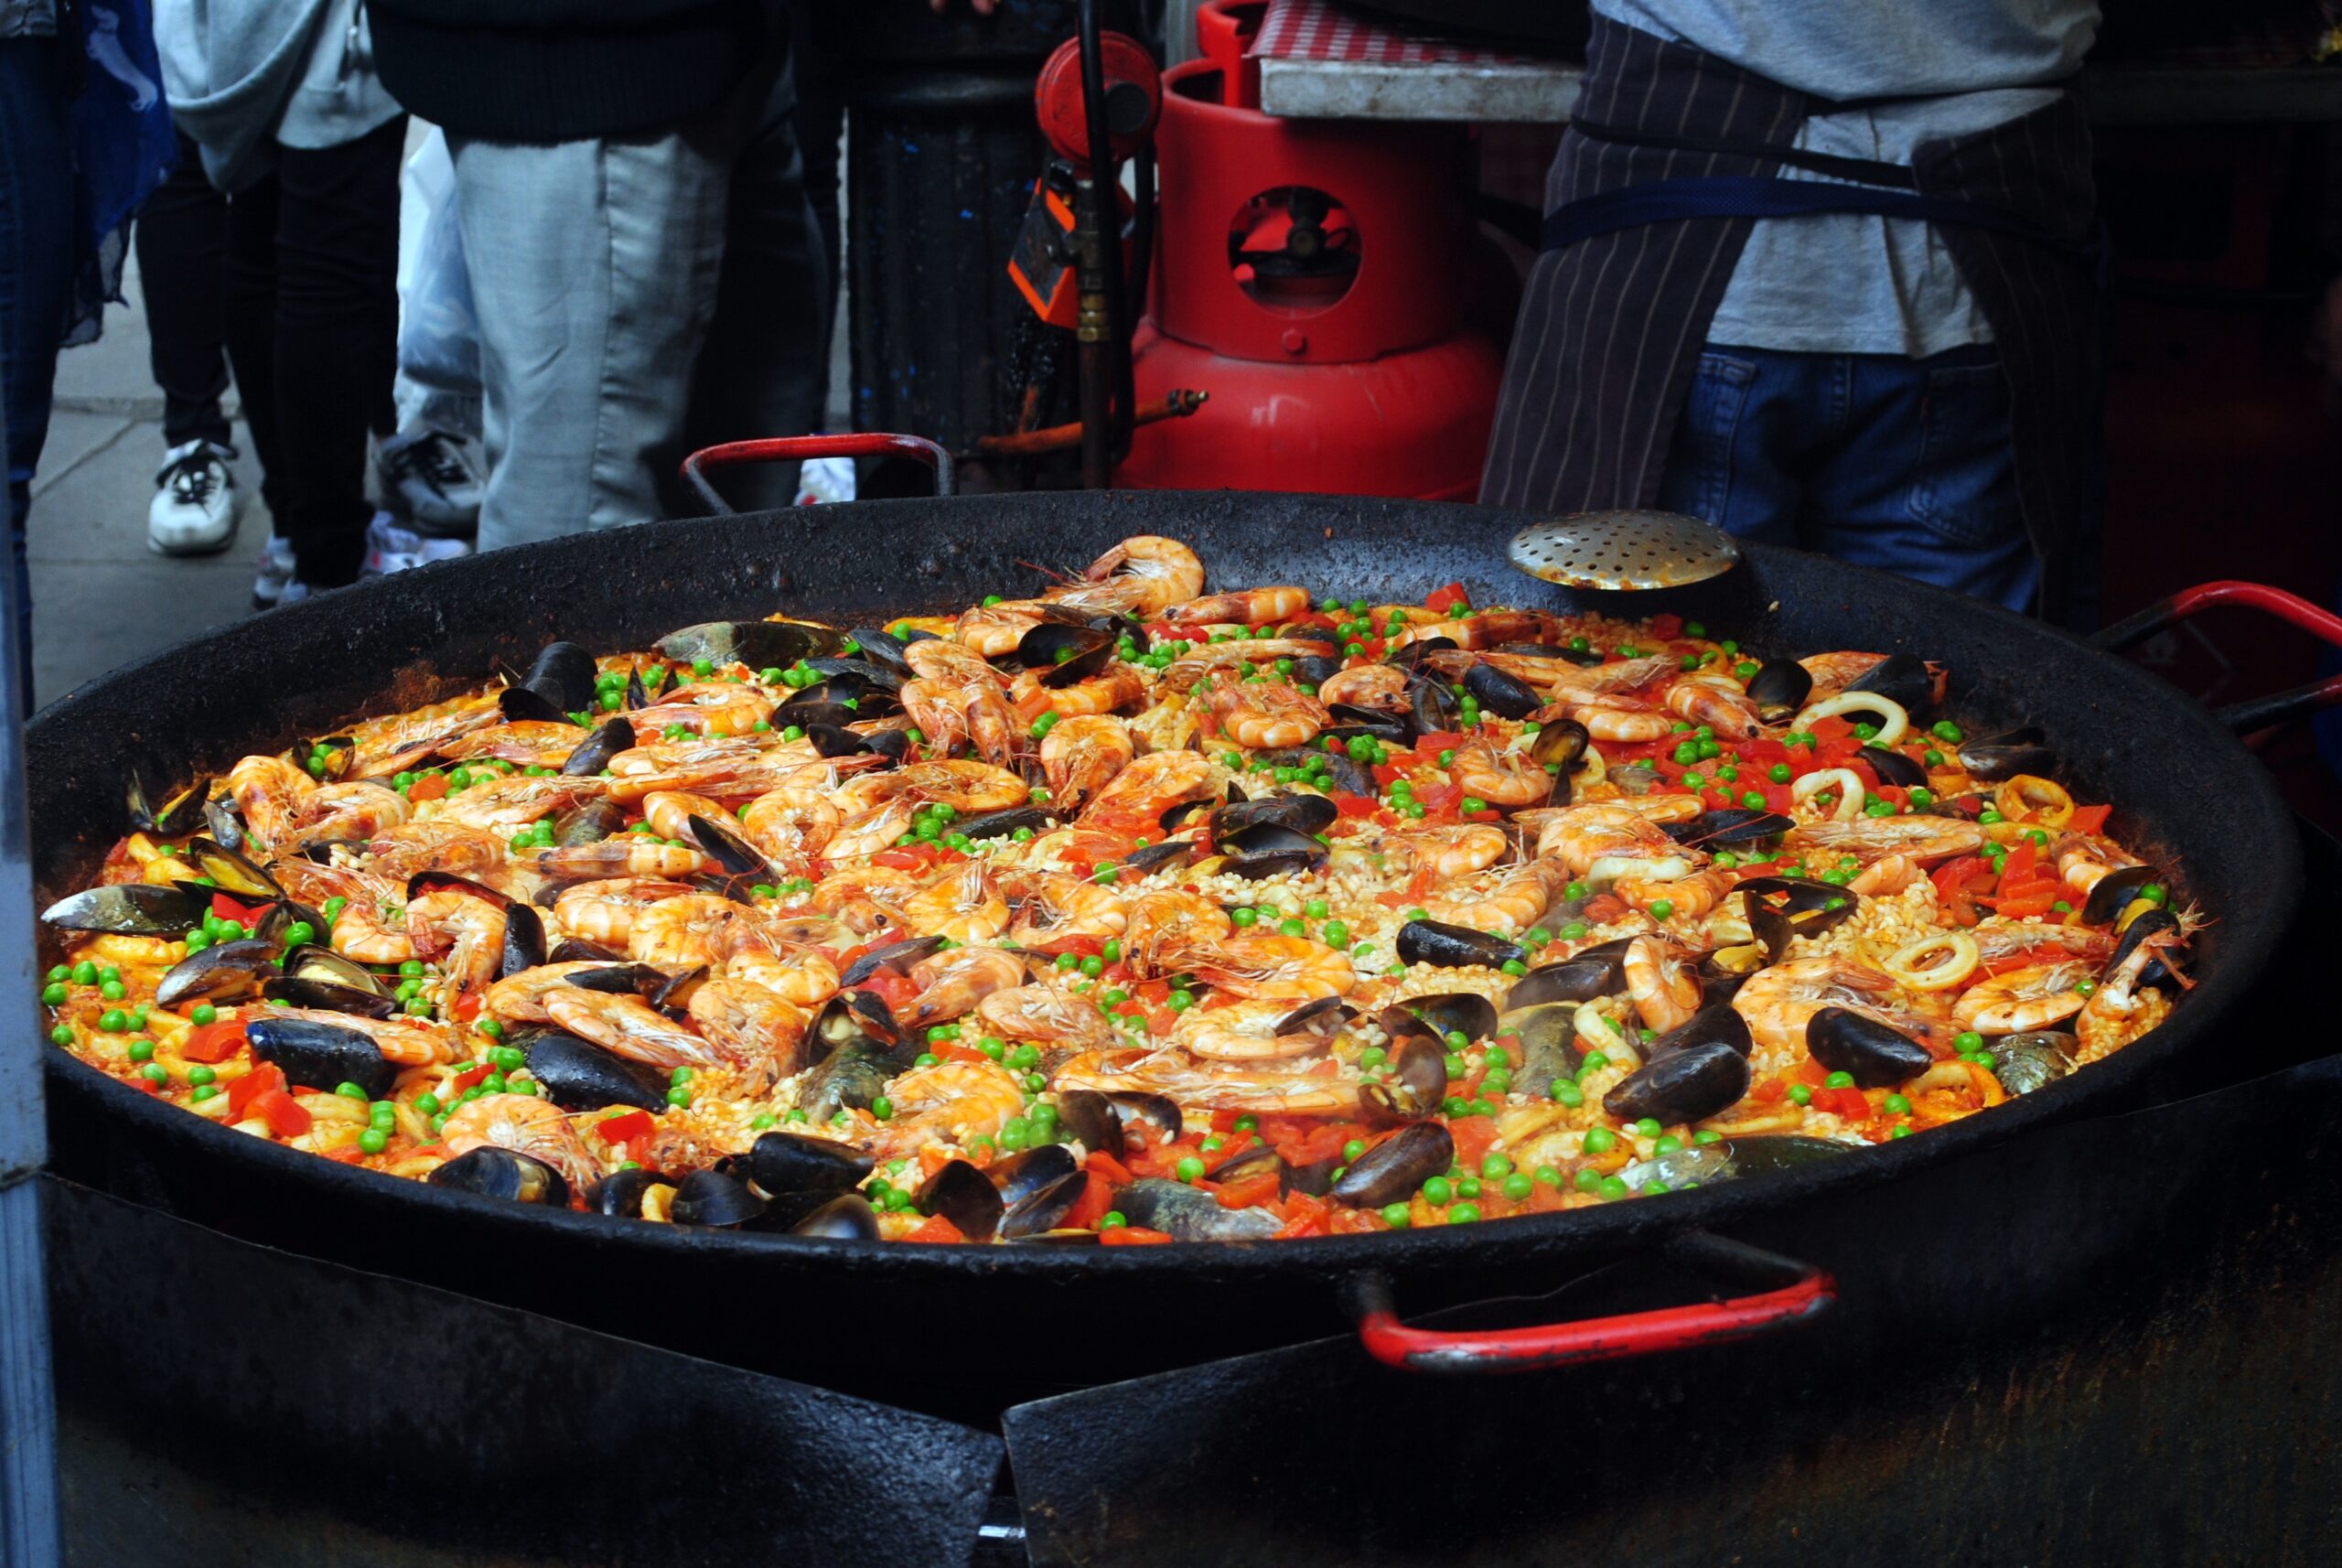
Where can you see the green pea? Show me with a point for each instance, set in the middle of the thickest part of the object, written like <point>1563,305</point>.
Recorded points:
<point>1600,1140</point>
<point>1190,1168</point>
<point>1839,1081</point>
<point>1568,1093</point>
<point>1463,1214</point>
<point>1495,1164</point>
<point>882,1108</point>
<point>114,1021</point>
<point>1800,1095</point>
<point>140,1050</point>
<point>85,974</point>
<point>1397,1216</point>
<point>1518,1186</point>
<point>1439,1191</point>
<point>53,995</point>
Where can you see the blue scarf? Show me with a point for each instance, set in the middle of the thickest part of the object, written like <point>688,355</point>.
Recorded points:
<point>123,146</point>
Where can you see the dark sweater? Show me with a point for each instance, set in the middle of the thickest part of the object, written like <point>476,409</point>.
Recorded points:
<point>563,71</point>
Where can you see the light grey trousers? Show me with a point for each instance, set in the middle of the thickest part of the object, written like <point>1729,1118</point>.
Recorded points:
<point>638,298</point>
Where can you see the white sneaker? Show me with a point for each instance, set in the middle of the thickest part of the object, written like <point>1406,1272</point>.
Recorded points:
<point>196,503</point>
<point>276,573</point>
<point>821,479</point>
<point>392,548</point>
<point>428,476</point>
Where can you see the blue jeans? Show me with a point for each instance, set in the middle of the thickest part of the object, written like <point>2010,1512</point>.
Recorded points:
<point>1903,465</point>
<point>36,282</point>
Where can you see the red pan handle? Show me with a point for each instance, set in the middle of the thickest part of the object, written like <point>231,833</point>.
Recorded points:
<point>797,448</point>
<point>1794,1293</point>
<point>2260,713</point>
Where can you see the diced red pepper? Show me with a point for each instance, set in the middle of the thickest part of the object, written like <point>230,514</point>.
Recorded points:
<point>2089,819</point>
<point>227,909</point>
<point>1097,1198</point>
<point>1437,741</point>
<point>619,1129</point>
<point>466,1007</point>
<point>1666,627</point>
<point>430,787</point>
<point>891,988</point>
<point>1132,1236</point>
<point>1249,1193</point>
<point>2017,908</point>
<point>214,1042</point>
<point>286,1116</point>
<point>1473,1135</point>
<point>1355,805</point>
<point>1105,1164</point>
<point>936,1228</point>
<point>2018,868</point>
<point>1304,1216</point>
<point>473,1074</point>
<point>1441,600</point>
<point>899,859</point>
<point>249,1087</point>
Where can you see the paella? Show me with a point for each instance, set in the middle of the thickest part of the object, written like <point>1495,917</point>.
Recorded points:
<point>1122,908</point>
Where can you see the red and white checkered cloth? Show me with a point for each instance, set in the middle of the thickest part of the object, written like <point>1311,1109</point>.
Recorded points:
<point>1322,30</point>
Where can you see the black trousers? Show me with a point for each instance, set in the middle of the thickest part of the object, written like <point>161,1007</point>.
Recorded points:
<point>311,317</point>
<point>182,239</point>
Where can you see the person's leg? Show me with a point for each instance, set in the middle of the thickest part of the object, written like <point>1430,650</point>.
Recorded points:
<point>337,305</point>
<point>35,285</point>
<point>1922,481</point>
<point>1736,455</point>
<point>594,269</point>
<point>765,370</point>
<point>248,322</point>
<point>182,238</point>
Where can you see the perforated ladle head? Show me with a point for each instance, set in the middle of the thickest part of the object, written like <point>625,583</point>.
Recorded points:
<point>1625,550</point>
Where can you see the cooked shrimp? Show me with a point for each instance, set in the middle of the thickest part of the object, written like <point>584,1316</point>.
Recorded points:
<point>1487,629</point>
<point>2023,999</point>
<point>1778,1002</point>
<point>372,928</point>
<point>1581,835</point>
<point>526,1125</point>
<point>603,911</point>
<point>1244,1032</point>
<point>505,806</point>
<point>1508,900</point>
<point>1886,877</point>
<point>1052,909</point>
<point>622,855</point>
<point>951,714</point>
<point>869,832</point>
<point>1688,895</point>
<point>1249,606</point>
<point>1594,680</point>
<point>2120,1010</point>
<point>1161,917</point>
<point>1503,777</point>
<point>708,708</point>
<point>2084,863</point>
<point>1836,672</point>
<point>750,1024</point>
<point>739,765</point>
<point>1204,660</point>
<point>1715,701</point>
<point>1921,840</point>
<point>1381,687</point>
<point>952,983</point>
<point>463,933</point>
<point>625,1024</point>
<point>1144,576</point>
<point>994,629</point>
<point>1045,1014</point>
<point>866,897</point>
<point>409,1042</point>
<point>383,746</point>
<point>686,932</point>
<point>1080,756</point>
<point>1661,983</point>
<point>1662,807</point>
<point>1997,938</point>
<point>352,810</point>
<point>1180,1078</point>
<point>794,972</point>
<point>1265,713</point>
<point>969,787</point>
<point>670,814</point>
<point>1451,851</point>
<point>963,904</point>
<point>790,830</point>
<point>1266,965</point>
<point>1116,686</point>
<point>1612,719</point>
<point>521,998</point>
<point>398,853</point>
<point>1134,802</point>
<point>524,743</point>
<point>949,1103</point>
<point>270,794</point>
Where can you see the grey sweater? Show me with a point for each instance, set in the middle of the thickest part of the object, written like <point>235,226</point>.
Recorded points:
<point>245,77</point>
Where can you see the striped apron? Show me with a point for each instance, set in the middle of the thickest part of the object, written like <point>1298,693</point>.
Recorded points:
<point>1648,215</point>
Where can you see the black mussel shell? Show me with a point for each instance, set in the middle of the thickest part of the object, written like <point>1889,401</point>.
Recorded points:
<point>581,1076</point>
<point>883,648</point>
<point>1685,1086</point>
<point>1394,1167</point>
<point>524,940</point>
<point>1250,1163</point>
<point>521,705</point>
<point>638,695</point>
<point>1154,856</point>
<point>856,696</point>
<point>846,1080</point>
<point>1315,1178</point>
<point>1725,971</point>
<point>1324,1018</point>
<point>2029,1061</point>
<point>1431,705</point>
<point>492,1172</point>
<point>1547,1033</point>
<point>1269,849</point>
<point>1766,1153</point>
<point>896,956</point>
<point>814,713</point>
<point>232,873</point>
<point>621,1193</point>
<point>576,950</point>
<point>1500,694</point>
<point>321,1055</point>
<point>2113,893</point>
<point>1879,1056</point>
<point>1993,757</point>
<point>846,1219</point>
<point>1043,1208</point>
<point>1730,825</point>
<point>1893,768</point>
<point>183,813</point>
<point>131,908</point>
<point>437,881</point>
<point>1716,1023</point>
<point>716,1201</point>
<point>2154,922</point>
<point>1000,823</point>
<point>857,678</point>
<point>315,961</point>
<point>1454,946</point>
<point>1089,1120</point>
<point>564,675</point>
<point>1191,1214</point>
<point>1697,1165</point>
<point>1780,689</point>
<point>1347,776</point>
<point>1022,1175</point>
<point>853,1018</point>
<point>1316,669</point>
<point>1634,777</point>
<point>1449,1013</point>
<point>312,980</point>
<point>786,1162</point>
<point>1902,679</point>
<point>960,1193</point>
<point>1351,722</point>
<point>1413,653</point>
<point>1157,1113</point>
<point>676,990</point>
<point>888,743</point>
<point>834,740</point>
<point>593,752</point>
<point>1301,813</point>
<point>1780,908</point>
<point>758,644</point>
<point>274,923</point>
<point>219,973</point>
<point>1562,741</point>
<point>1416,1084</point>
<point>227,828</point>
<point>1067,653</point>
<point>726,848</point>
<point>1579,979</point>
<point>619,978</point>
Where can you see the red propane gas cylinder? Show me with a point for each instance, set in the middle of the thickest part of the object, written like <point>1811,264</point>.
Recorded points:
<point>1315,278</point>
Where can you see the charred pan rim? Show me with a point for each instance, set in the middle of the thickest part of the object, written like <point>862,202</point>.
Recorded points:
<point>2096,706</point>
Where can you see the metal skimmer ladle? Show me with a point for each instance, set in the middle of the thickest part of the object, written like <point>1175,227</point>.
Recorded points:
<point>1624,550</point>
